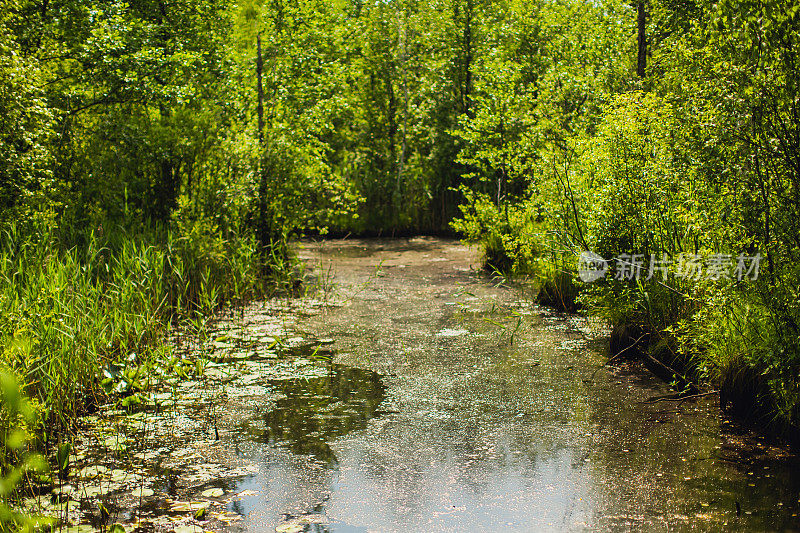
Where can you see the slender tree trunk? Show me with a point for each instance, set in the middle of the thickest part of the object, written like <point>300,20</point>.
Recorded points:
<point>641,58</point>
<point>167,189</point>
<point>468,57</point>
<point>391,115</point>
<point>404,60</point>
<point>259,75</point>
<point>501,178</point>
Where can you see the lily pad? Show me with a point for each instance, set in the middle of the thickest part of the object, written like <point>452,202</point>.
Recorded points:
<point>142,492</point>
<point>81,528</point>
<point>226,517</point>
<point>89,472</point>
<point>213,493</point>
<point>188,528</point>
<point>120,475</point>
<point>64,489</point>
<point>90,491</point>
<point>290,527</point>
<point>188,507</point>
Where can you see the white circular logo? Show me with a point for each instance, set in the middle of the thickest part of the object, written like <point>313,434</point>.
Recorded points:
<point>591,267</point>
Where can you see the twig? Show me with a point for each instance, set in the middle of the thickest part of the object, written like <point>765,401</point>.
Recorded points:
<point>617,356</point>
<point>680,398</point>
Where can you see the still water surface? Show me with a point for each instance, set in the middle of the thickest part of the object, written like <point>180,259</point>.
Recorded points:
<point>454,404</point>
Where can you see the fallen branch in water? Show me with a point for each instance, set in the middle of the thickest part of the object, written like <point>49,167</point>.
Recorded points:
<point>619,353</point>
<point>679,398</point>
<point>615,357</point>
<point>666,372</point>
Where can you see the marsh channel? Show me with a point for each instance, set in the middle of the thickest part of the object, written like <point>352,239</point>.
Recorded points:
<point>410,391</point>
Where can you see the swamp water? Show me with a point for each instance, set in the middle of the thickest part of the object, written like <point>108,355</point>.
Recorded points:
<point>414,394</point>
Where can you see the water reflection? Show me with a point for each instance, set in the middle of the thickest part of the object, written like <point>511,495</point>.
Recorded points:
<point>314,411</point>
<point>477,432</point>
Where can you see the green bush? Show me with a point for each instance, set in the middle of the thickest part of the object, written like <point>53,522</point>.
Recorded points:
<point>508,235</point>
<point>747,351</point>
<point>19,422</point>
<point>73,316</point>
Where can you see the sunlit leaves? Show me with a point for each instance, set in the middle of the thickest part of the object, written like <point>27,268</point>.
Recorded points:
<point>25,122</point>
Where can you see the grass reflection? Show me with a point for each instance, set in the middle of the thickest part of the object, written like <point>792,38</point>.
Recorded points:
<point>317,410</point>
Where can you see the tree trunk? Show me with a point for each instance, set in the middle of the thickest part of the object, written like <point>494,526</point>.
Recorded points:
<point>259,75</point>
<point>404,60</point>
<point>641,58</point>
<point>468,57</point>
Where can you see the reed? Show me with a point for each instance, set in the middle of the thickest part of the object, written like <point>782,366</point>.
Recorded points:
<point>79,322</point>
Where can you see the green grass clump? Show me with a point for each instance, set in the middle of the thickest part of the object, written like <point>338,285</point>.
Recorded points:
<point>81,321</point>
<point>508,235</point>
<point>748,351</point>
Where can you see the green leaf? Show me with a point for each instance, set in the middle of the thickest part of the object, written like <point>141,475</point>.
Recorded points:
<point>16,439</point>
<point>62,457</point>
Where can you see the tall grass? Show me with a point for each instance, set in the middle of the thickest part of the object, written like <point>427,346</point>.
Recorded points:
<point>78,322</point>
<point>753,357</point>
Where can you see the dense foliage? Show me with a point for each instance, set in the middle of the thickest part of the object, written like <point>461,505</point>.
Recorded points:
<point>137,195</point>
<point>683,176</point>
<point>157,156</point>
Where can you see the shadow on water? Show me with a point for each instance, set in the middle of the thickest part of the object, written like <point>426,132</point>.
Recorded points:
<point>316,410</point>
